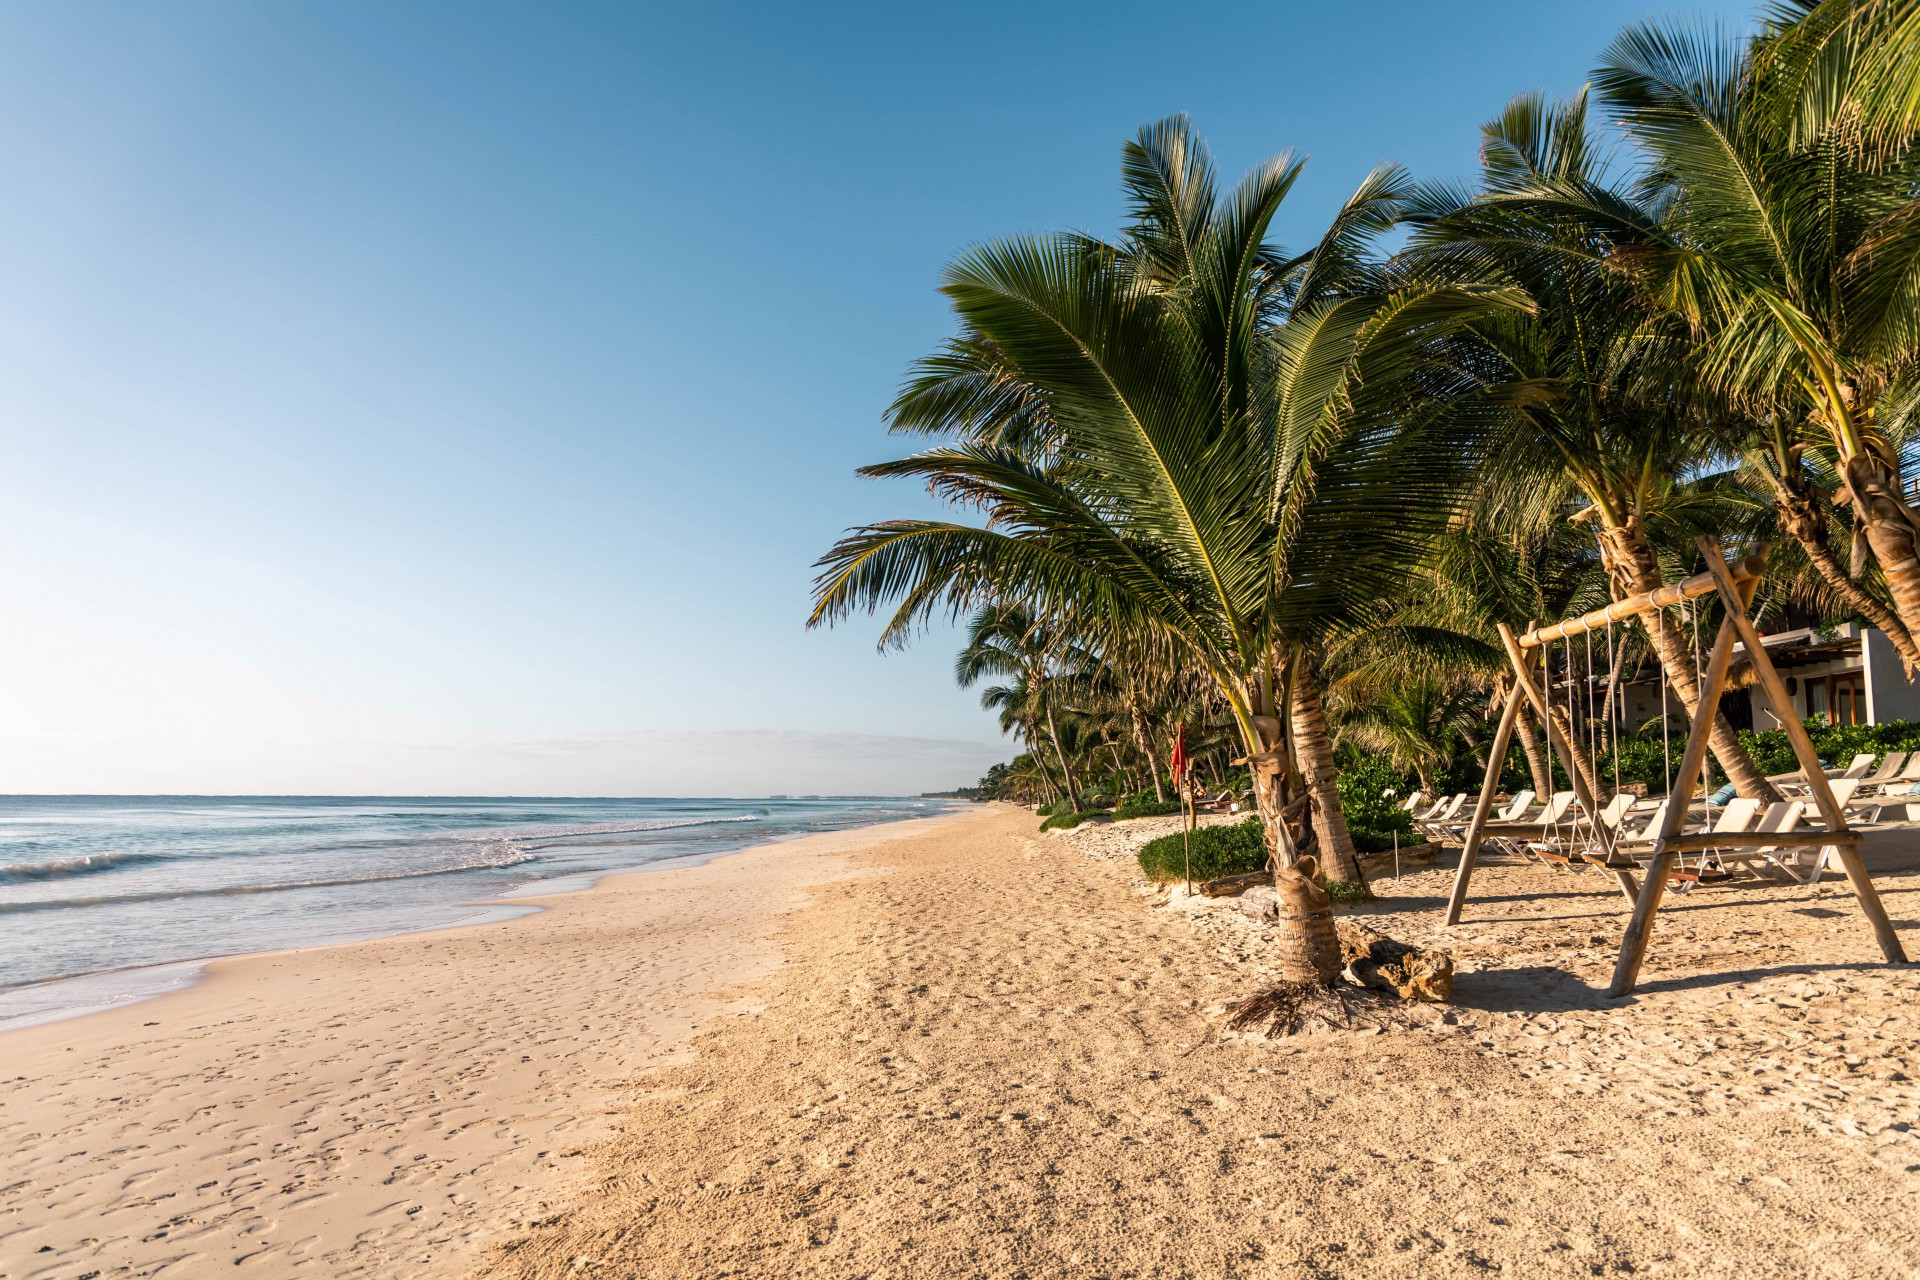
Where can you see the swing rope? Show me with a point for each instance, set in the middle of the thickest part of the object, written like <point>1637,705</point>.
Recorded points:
<point>1614,724</point>
<point>1666,732</point>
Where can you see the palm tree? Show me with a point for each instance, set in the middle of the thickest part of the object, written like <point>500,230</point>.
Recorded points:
<point>1591,381</point>
<point>1004,641</point>
<point>1422,723</point>
<point>1845,71</point>
<point>1796,259</point>
<point>1169,435</point>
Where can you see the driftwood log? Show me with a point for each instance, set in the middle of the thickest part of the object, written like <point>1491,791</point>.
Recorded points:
<point>1411,855</point>
<point>1227,886</point>
<point>1374,960</point>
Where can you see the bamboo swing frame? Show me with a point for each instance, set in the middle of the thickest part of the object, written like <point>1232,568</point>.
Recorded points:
<point>1735,585</point>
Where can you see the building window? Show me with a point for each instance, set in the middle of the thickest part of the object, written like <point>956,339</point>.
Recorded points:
<point>1839,699</point>
<point>1849,700</point>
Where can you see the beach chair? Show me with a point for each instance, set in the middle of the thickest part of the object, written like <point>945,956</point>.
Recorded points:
<point>1807,863</point>
<point>1515,811</point>
<point>1413,801</point>
<point>1855,770</point>
<point>1887,774</point>
<point>1439,806</point>
<point>1736,817</point>
<point>1516,808</point>
<point>1513,837</point>
<point>1781,815</point>
<point>1225,802</point>
<point>1858,768</point>
<point>1588,840</point>
<point>1649,828</point>
<point>1436,826</point>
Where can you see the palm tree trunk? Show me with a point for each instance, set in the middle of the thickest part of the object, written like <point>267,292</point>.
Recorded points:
<point>1530,745</point>
<point>1066,770</point>
<point>1040,760</point>
<point>1145,741</point>
<point>1279,800</point>
<point>1807,524</point>
<point>1881,509</point>
<point>1610,728</point>
<point>1338,858</point>
<point>1582,758</point>
<point>1630,563</point>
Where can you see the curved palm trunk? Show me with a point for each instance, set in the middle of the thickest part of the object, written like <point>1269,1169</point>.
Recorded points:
<point>1891,531</point>
<point>1582,758</point>
<point>1066,770</point>
<point>1807,525</point>
<point>1535,751</point>
<point>1630,562</point>
<point>1040,760</point>
<point>1338,858</point>
<point>1144,740</point>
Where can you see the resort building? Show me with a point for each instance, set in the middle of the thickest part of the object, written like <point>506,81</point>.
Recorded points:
<point>1848,673</point>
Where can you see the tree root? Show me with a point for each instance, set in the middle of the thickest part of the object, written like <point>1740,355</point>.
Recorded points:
<point>1288,1008</point>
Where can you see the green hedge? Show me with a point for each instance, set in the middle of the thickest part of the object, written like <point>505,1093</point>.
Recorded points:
<point>1069,820</point>
<point>1143,805</point>
<point>1217,851</point>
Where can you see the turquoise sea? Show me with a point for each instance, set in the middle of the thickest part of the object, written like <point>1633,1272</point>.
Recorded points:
<point>108,898</point>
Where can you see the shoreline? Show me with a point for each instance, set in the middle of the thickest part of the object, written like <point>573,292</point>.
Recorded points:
<point>385,1106</point>
<point>150,982</point>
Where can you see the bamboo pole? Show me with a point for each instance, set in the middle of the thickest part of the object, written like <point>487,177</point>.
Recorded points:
<point>1830,810</point>
<point>1699,584</point>
<point>1633,945</point>
<point>1477,829</point>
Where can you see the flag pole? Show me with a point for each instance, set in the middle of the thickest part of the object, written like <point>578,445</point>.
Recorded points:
<point>1185,792</point>
<point>1186,836</point>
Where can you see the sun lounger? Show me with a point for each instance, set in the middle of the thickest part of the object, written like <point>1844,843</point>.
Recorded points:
<point>1511,837</point>
<point>1588,840</point>
<point>1738,816</point>
<point>1781,815</point>
<point>1856,769</point>
<point>1437,825</point>
<point>1887,774</point>
<point>1516,808</point>
<point>1439,807</point>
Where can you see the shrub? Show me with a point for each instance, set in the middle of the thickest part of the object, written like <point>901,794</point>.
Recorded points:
<point>1053,807</point>
<point>1367,840</point>
<point>1068,820</point>
<point>1217,851</point>
<point>1345,892</point>
<point>1370,794</point>
<point>1143,805</point>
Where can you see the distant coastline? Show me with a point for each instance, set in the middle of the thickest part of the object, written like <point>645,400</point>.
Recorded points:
<point>110,899</point>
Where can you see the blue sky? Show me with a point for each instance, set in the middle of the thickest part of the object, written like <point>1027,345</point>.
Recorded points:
<point>454,397</point>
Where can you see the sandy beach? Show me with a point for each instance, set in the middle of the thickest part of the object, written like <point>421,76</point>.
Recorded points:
<point>383,1108</point>
<point>962,1048</point>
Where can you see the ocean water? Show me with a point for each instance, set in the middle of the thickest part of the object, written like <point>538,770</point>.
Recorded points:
<point>109,898</point>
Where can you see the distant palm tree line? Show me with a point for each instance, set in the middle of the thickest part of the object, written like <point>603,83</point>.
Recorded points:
<point>1284,498</point>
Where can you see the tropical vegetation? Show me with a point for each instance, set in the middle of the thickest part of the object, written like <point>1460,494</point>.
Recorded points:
<point>1285,500</point>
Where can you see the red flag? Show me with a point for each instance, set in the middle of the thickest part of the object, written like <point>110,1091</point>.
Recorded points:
<point>1179,754</point>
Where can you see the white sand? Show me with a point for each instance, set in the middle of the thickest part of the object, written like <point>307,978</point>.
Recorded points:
<point>376,1109</point>
<point>967,1050</point>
